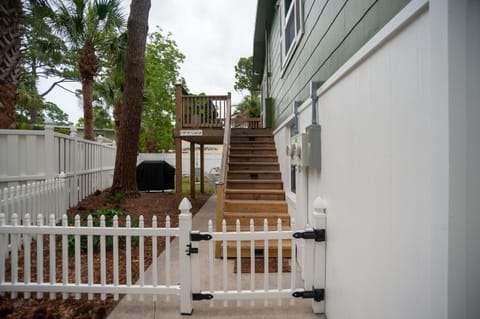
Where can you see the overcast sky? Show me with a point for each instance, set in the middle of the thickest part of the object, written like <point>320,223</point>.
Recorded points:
<point>212,34</point>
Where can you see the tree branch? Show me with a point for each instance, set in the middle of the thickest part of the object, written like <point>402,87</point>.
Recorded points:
<point>57,83</point>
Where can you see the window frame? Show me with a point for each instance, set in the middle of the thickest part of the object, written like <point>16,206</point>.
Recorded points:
<point>295,12</point>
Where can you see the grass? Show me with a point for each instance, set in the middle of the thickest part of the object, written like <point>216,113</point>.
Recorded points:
<point>208,188</point>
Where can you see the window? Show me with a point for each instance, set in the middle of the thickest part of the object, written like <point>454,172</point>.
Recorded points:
<point>291,27</point>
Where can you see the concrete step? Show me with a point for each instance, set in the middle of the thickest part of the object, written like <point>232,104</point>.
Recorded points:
<point>263,166</point>
<point>254,184</point>
<point>254,174</point>
<point>255,194</point>
<point>255,206</point>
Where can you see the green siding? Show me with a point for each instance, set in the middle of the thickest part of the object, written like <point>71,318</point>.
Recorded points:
<point>333,31</point>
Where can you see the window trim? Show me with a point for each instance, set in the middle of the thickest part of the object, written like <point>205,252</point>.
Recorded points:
<point>294,12</point>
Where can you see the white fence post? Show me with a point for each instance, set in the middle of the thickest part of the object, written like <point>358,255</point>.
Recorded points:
<point>74,183</point>
<point>319,222</point>
<point>49,150</point>
<point>185,225</point>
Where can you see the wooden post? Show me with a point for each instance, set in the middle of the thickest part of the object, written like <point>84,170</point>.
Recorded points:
<point>219,187</point>
<point>179,106</point>
<point>192,170</point>
<point>178,169</point>
<point>202,169</point>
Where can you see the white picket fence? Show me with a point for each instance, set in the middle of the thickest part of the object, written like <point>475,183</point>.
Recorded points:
<point>28,157</point>
<point>37,198</point>
<point>180,279</point>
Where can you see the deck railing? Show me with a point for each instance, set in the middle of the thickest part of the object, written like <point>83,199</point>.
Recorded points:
<point>205,111</point>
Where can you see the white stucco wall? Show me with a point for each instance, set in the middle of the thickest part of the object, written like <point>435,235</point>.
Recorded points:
<point>400,171</point>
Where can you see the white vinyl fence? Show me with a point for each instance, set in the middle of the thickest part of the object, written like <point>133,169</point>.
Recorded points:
<point>28,157</point>
<point>181,279</point>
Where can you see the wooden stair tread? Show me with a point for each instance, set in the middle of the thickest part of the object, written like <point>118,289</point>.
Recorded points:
<point>248,191</point>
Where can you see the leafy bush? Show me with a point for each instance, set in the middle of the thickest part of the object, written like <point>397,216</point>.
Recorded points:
<point>109,213</point>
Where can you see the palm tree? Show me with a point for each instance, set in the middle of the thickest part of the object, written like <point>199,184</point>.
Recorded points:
<point>11,16</point>
<point>87,25</point>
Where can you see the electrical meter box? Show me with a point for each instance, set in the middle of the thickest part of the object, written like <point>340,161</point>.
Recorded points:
<point>305,148</point>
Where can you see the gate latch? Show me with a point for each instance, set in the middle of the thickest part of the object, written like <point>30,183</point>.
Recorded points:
<point>315,294</point>
<point>201,296</point>
<point>316,234</point>
<point>198,236</point>
<point>191,250</point>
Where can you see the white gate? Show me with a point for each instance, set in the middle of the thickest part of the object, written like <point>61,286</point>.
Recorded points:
<point>200,276</point>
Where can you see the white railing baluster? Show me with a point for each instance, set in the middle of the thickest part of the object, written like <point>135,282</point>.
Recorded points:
<point>3,251</point>
<point>14,255</point>
<point>103,265</point>
<point>279,261</point>
<point>27,240</point>
<point>154,256</point>
<point>293,261</point>
<point>128,254</point>
<point>90,255</point>
<point>141,260</point>
<point>252,262</point>
<point>211,264</point>
<point>115,257</point>
<point>52,252</point>
<point>239,262</point>
<point>78,264</point>
<point>167,257</point>
<point>40,256</point>
<point>265,261</point>
<point>65,256</point>
<point>224,259</point>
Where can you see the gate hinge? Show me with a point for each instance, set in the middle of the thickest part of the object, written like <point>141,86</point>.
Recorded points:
<point>198,236</point>
<point>315,294</point>
<point>317,234</point>
<point>191,250</point>
<point>200,296</point>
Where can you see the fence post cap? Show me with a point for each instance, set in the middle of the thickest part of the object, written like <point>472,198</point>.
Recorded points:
<point>319,204</point>
<point>62,175</point>
<point>185,204</point>
<point>48,122</point>
<point>73,130</point>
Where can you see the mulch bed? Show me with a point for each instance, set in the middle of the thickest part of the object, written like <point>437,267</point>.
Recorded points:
<point>259,265</point>
<point>147,205</point>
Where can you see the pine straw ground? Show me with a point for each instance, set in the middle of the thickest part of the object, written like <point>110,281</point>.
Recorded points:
<point>148,205</point>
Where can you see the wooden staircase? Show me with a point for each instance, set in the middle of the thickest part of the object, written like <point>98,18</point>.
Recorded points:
<point>254,189</point>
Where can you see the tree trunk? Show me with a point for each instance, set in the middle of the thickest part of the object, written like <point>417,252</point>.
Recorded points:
<point>11,15</point>
<point>87,93</point>
<point>117,115</point>
<point>124,178</point>
<point>87,66</point>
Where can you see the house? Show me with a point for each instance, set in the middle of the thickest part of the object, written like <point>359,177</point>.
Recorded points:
<point>375,108</point>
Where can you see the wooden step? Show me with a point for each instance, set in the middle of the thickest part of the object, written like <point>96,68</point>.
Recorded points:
<point>259,249</point>
<point>254,206</point>
<point>258,220</point>
<point>252,132</point>
<point>252,139</point>
<point>255,183</point>
<point>254,174</point>
<point>255,194</point>
<point>252,144</point>
<point>252,151</point>
<point>253,158</point>
<point>243,166</point>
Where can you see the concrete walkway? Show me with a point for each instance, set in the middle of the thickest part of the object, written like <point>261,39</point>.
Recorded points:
<point>133,307</point>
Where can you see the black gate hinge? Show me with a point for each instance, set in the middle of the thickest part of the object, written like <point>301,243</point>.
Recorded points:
<point>315,294</point>
<point>191,250</point>
<point>198,236</point>
<point>200,296</point>
<point>317,234</point>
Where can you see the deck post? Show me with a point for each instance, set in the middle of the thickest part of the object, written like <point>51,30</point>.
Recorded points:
<point>178,168</point>
<point>192,170</point>
<point>202,169</point>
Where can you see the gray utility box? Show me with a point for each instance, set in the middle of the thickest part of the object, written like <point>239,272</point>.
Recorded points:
<point>305,149</point>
